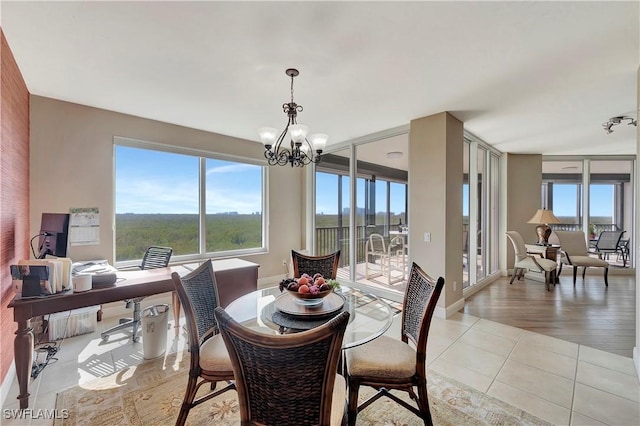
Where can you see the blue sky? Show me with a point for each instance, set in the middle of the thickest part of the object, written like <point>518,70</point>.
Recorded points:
<point>327,188</point>
<point>159,182</point>
<point>565,200</point>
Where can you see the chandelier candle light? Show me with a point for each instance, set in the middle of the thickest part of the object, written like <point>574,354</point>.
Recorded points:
<point>300,152</point>
<point>543,218</point>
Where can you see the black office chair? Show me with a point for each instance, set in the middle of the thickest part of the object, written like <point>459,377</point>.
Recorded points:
<point>154,257</point>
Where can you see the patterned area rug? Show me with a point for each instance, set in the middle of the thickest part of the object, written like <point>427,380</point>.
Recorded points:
<point>151,394</point>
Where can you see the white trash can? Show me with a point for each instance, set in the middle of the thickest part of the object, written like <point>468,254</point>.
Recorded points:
<point>154,321</point>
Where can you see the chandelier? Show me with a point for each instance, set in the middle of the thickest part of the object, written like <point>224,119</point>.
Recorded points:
<point>613,121</point>
<point>300,151</point>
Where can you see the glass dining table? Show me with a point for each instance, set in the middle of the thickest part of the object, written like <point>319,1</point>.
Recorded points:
<point>262,311</point>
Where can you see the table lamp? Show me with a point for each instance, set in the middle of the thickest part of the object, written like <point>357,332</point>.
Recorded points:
<point>543,218</point>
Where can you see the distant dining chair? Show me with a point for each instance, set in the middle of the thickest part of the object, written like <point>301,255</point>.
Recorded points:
<point>290,379</point>
<point>209,359</point>
<point>524,261</point>
<point>386,363</point>
<point>574,252</point>
<point>326,265</point>
<point>154,257</point>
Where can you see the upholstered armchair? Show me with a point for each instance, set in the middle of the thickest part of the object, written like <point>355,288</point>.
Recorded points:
<point>574,252</point>
<point>524,261</point>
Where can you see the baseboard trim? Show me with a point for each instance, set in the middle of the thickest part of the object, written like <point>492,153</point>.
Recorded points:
<point>447,312</point>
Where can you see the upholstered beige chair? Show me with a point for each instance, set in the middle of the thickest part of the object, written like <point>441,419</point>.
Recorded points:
<point>574,252</point>
<point>524,261</point>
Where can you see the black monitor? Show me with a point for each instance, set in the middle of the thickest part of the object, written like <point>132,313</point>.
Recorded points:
<point>54,235</point>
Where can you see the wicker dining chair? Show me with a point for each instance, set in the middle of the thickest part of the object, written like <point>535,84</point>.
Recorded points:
<point>210,362</point>
<point>326,265</point>
<point>386,363</point>
<point>290,379</point>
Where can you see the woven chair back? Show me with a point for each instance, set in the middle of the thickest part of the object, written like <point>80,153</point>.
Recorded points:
<point>284,379</point>
<point>421,297</point>
<point>327,265</point>
<point>198,294</point>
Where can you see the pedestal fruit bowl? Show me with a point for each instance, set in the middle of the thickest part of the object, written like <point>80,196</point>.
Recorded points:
<point>307,289</point>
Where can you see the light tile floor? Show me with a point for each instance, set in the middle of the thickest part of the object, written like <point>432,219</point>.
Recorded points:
<point>558,381</point>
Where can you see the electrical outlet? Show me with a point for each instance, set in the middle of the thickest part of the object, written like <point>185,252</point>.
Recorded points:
<point>455,285</point>
<point>427,237</point>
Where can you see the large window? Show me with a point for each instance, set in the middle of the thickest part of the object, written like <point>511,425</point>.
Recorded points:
<point>480,222</point>
<point>592,195</point>
<point>196,204</point>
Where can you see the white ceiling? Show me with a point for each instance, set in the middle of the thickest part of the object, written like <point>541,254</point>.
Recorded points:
<point>526,77</point>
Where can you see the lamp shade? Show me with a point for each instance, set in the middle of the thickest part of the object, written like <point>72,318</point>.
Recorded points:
<point>298,132</point>
<point>543,216</point>
<point>268,135</point>
<point>319,141</point>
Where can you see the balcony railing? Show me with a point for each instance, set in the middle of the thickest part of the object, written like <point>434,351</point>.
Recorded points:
<point>332,238</point>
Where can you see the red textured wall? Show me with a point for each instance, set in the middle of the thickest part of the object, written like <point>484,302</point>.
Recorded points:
<point>14,190</point>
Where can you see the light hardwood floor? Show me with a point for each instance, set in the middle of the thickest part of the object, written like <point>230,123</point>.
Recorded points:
<point>589,314</point>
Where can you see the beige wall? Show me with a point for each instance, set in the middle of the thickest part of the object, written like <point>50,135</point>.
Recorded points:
<point>435,200</point>
<point>72,166</point>
<point>523,197</point>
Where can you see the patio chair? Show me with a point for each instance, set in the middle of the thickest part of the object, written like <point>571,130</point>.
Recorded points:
<point>376,250</point>
<point>608,242</point>
<point>209,359</point>
<point>386,363</point>
<point>287,379</point>
<point>574,253</point>
<point>623,251</point>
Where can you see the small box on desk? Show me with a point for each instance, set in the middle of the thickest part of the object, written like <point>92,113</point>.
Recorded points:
<point>80,321</point>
